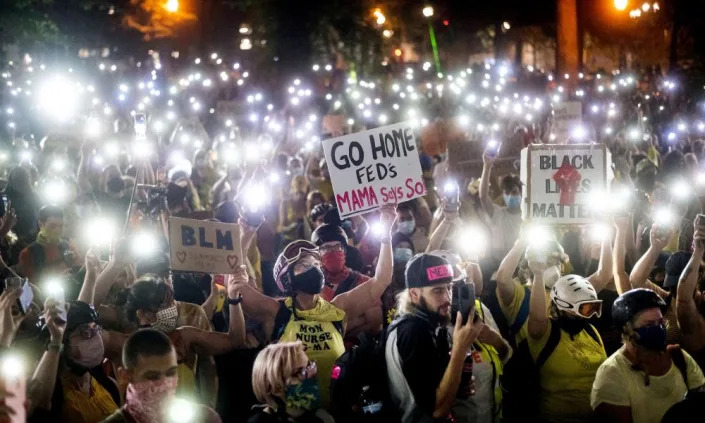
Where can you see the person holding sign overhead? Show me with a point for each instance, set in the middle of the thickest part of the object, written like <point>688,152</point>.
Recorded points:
<point>304,315</point>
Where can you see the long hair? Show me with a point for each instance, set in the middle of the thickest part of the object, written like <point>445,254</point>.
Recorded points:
<point>272,371</point>
<point>404,303</point>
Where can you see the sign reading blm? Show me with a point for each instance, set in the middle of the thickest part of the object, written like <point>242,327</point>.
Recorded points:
<point>372,168</point>
<point>559,181</point>
<point>202,246</point>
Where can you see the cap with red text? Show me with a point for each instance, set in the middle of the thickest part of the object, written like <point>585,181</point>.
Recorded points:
<point>427,270</point>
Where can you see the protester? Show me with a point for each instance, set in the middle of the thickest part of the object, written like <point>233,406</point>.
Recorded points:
<point>641,381</point>
<point>283,381</point>
<point>423,368</point>
<point>691,320</point>
<point>304,315</point>
<point>150,368</point>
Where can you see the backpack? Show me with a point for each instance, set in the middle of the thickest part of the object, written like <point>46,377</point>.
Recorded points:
<point>521,378</point>
<point>362,365</point>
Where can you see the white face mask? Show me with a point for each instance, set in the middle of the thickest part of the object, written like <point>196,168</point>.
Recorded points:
<point>551,276</point>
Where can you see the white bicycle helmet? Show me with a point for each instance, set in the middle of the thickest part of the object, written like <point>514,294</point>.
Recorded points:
<point>454,260</point>
<point>575,294</point>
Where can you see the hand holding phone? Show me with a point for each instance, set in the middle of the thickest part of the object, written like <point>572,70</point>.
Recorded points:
<point>24,302</point>
<point>55,291</point>
<point>463,300</point>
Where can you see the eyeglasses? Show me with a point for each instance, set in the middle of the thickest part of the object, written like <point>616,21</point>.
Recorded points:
<point>337,247</point>
<point>88,332</point>
<point>307,372</point>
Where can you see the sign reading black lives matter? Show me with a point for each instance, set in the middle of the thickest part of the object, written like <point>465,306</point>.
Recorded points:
<point>559,180</point>
<point>372,168</point>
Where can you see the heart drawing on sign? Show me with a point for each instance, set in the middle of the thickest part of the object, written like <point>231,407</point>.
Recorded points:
<point>232,261</point>
<point>181,255</point>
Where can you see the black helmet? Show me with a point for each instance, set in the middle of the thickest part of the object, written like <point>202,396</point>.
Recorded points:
<point>327,233</point>
<point>630,303</point>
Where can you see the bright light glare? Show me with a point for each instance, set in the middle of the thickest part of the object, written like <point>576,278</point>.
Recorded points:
<point>663,217</point>
<point>538,236</point>
<point>144,244</point>
<point>620,4</point>
<point>55,192</point>
<point>378,229</point>
<point>181,411</point>
<point>172,6</point>
<point>58,99</point>
<point>12,366</point>
<point>600,232</point>
<point>54,289</point>
<point>428,11</point>
<point>473,241</point>
<point>99,232</point>
<point>680,189</point>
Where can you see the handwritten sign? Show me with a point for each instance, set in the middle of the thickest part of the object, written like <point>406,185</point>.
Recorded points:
<point>372,168</point>
<point>202,246</point>
<point>567,116</point>
<point>559,181</point>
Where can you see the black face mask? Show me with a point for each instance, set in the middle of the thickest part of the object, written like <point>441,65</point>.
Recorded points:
<point>309,282</point>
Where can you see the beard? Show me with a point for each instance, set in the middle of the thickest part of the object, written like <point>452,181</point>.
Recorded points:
<point>436,314</point>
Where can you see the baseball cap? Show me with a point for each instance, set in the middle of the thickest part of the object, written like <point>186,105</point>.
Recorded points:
<point>427,270</point>
<point>674,267</point>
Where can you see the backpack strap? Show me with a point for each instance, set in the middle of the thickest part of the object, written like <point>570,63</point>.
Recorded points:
<point>553,339</point>
<point>347,284</point>
<point>679,360</point>
<point>590,329</point>
<point>523,313</point>
<point>280,321</point>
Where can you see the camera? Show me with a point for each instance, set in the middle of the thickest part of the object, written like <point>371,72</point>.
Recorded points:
<point>156,201</point>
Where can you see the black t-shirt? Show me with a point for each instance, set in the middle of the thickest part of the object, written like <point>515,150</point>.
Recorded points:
<point>424,350</point>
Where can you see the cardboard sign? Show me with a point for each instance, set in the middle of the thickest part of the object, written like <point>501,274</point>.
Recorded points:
<point>567,116</point>
<point>372,168</point>
<point>202,246</point>
<point>559,180</point>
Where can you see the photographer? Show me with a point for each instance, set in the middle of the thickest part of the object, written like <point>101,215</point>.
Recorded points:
<point>422,368</point>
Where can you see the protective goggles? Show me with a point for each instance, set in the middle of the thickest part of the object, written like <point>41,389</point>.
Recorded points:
<point>586,309</point>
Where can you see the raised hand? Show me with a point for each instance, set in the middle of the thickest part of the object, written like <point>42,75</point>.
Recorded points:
<point>10,316</point>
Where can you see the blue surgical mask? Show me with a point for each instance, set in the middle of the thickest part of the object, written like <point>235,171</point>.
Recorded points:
<point>304,396</point>
<point>402,255</point>
<point>407,227</point>
<point>652,338</point>
<point>512,201</point>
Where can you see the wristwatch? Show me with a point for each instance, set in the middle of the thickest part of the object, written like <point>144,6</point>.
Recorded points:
<point>235,301</point>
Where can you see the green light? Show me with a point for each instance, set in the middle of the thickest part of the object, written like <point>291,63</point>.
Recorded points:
<point>434,46</point>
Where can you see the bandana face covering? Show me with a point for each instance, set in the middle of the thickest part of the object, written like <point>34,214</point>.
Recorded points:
<point>145,401</point>
<point>166,320</point>
<point>304,396</point>
<point>334,261</point>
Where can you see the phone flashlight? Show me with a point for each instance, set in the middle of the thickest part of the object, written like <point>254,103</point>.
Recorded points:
<point>493,147</point>
<point>140,126</point>
<point>55,290</point>
<point>181,411</point>
<point>14,382</point>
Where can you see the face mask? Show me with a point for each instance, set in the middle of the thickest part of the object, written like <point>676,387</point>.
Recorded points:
<point>407,227</point>
<point>402,255</point>
<point>652,337</point>
<point>572,325</point>
<point>333,262</point>
<point>166,320</point>
<point>88,353</point>
<point>304,396</point>
<point>512,201</point>
<point>309,282</point>
<point>146,400</point>
<point>551,276</point>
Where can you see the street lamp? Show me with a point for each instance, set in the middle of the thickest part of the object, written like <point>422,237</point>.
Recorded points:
<point>620,4</point>
<point>428,13</point>
<point>172,6</point>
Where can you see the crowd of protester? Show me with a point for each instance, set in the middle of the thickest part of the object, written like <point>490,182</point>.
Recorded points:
<point>348,320</point>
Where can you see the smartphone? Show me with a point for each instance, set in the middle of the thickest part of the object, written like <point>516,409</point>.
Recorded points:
<point>140,125</point>
<point>5,203</point>
<point>26,297</point>
<point>13,384</point>
<point>451,194</point>
<point>493,147</point>
<point>463,300</point>
<point>56,291</point>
